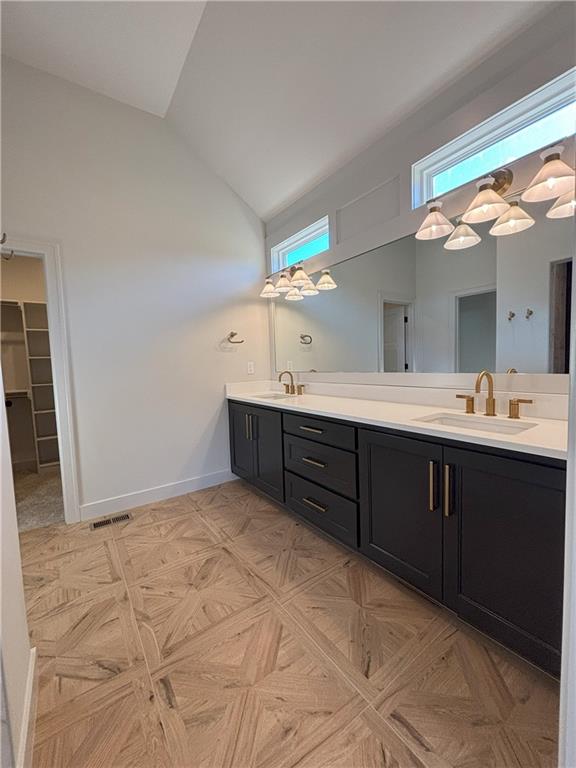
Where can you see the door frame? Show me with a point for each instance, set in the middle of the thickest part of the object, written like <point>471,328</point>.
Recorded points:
<point>385,297</point>
<point>49,253</point>
<point>454,318</point>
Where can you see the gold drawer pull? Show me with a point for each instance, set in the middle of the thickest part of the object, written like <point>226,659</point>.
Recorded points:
<point>431,486</point>
<point>447,511</point>
<point>314,462</point>
<point>312,429</point>
<point>314,505</point>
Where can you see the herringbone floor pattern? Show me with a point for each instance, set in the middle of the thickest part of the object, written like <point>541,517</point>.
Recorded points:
<point>217,631</point>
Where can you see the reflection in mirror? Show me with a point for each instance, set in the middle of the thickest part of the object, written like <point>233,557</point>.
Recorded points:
<point>413,305</point>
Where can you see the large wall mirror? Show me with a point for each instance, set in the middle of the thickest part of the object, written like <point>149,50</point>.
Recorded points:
<point>414,306</point>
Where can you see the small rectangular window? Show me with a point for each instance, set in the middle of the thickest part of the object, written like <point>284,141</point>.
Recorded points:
<point>306,243</point>
<point>544,117</point>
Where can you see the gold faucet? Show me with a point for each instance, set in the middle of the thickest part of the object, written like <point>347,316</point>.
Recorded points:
<point>290,389</point>
<point>490,401</point>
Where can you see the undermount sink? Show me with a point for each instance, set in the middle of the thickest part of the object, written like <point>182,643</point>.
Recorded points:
<point>479,423</point>
<point>273,396</point>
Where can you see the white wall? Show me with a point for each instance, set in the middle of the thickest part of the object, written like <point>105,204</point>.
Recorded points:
<point>524,283</point>
<point>344,323</point>
<point>14,641</point>
<point>442,275</point>
<point>161,260</point>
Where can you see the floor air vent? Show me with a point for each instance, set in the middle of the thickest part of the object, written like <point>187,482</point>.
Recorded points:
<point>110,520</point>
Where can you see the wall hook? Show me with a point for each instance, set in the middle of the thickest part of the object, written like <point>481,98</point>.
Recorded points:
<point>305,338</point>
<point>3,238</point>
<point>529,313</point>
<point>233,335</point>
<point>511,315</point>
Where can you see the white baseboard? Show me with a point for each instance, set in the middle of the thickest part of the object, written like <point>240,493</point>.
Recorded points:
<point>25,748</point>
<point>149,495</point>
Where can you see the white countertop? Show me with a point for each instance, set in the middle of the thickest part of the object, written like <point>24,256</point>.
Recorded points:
<point>547,438</point>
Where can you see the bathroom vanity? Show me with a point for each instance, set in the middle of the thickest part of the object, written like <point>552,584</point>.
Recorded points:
<point>469,513</point>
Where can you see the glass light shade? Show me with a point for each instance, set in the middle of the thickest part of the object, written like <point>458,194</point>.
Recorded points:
<point>563,207</point>
<point>326,283</point>
<point>435,224</point>
<point>555,178</point>
<point>283,284</point>
<point>299,278</point>
<point>486,205</point>
<point>309,289</point>
<point>294,295</point>
<point>269,292</point>
<point>511,222</point>
<point>462,237</point>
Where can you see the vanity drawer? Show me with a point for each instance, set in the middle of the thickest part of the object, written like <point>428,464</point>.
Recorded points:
<point>338,435</point>
<point>331,467</point>
<point>327,510</point>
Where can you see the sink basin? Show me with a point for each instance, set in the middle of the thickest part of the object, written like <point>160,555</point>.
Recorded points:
<point>479,423</point>
<point>273,396</point>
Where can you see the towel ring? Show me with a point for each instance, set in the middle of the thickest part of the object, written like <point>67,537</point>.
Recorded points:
<point>305,338</point>
<point>231,336</point>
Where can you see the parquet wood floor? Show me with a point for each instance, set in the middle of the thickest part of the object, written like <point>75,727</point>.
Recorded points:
<point>217,631</point>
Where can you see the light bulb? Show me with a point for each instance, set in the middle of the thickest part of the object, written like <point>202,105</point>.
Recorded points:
<point>554,179</point>
<point>487,204</point>
<point>435,224</point>
<point>514,220</point>
<point>283,284</point>
<point>294,295</point>
<point>269,292</point>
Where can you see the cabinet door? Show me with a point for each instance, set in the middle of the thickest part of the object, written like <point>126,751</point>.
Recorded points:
<point>400,515</point>
<point>504,551</point>
<point>241,446</point>
<point>266,434</point>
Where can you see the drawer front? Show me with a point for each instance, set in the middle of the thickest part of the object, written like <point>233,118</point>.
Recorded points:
<point>338,435</point>
<point>331,467</point>
<point>327,510</point>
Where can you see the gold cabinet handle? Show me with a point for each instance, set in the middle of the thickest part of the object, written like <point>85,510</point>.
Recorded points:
<point>314,462</point>
<point>447,511</point>
<point>312,429</point>
<point>314,504</point>
<point>431,486</point>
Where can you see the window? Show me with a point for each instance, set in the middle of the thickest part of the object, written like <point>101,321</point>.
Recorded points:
<point>301,246</point>
<point>543,117</point>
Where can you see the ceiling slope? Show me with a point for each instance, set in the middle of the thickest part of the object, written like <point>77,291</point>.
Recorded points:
<point>276,96</point>
<point>130,51</point>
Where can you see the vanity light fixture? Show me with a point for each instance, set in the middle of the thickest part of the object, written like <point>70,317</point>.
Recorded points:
<point>555,178</point>
<point>269,291</point>
<point>514,220</point>
<point>283,284</point>
<point>326,283</point>
<point>487,204</point>
<point>309,289</point>
<point>564,207</point>
<point>294,295</point>
<point>299,277</point>
<point>435,224</point>
<point>462,237</point>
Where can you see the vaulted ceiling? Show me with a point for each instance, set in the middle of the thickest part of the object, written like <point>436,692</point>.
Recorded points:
<point>275,96</point>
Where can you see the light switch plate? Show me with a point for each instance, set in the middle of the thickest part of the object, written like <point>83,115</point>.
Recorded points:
<point>251,367</point>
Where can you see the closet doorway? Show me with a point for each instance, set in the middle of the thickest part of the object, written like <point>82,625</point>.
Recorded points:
<point>29,391</point>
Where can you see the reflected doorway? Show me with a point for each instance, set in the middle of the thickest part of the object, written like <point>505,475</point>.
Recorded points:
<point>476,332</point>
<point>395,356</point>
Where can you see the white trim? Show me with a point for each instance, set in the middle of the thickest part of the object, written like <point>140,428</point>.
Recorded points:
<point>567,735</point>
<point>544,101</point>
<point>59,344</point>
<point>24,754</point>
<point>157,493</point>
<point>279,252</point>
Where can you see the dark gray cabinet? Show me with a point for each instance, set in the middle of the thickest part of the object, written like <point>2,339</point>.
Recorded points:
<point>480,530</point>
<point>504,550</point>
<point>400,517</point>
<point>256,447</point>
